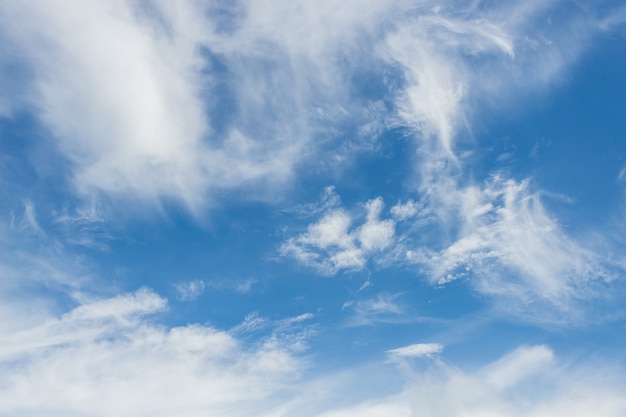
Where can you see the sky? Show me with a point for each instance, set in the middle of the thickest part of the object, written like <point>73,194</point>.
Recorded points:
<point>319,209</point>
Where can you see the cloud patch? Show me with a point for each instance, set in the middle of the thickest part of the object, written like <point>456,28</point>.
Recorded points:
<point>333,244</point>
<point>189,291</point>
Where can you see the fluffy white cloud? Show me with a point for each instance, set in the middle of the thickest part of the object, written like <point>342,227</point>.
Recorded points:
<point>332,244</point>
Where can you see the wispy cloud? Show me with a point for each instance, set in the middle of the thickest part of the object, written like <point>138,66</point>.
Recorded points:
<point>384,308</point>
<point>107,357</point>
<point>157,101</point>
<point>190,290</point>
<point>416,351</point>
<point>28,221</point>
<point>513,247</point>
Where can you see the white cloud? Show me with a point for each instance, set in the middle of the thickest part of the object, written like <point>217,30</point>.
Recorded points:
<point>528,382</point>
<point>376,234</point>
<point>504,242</point>
<point>513,249</point>
<point>89,321</point>
<point>495,232</point>
<point>545,388</point>
<point>332,244</point>
<point>119,96</point>
<point>242,286</point>
<point>404,211</point>
<point>155,100</point>
<point>517,366</point>
<point>104,358</point>
<point>373,409</point>
<point>498,232</point>
<point>29,221</point>
<point>108,356</point>
<point>188,291</point>
<point>416,351</point>
<point>383,308</point>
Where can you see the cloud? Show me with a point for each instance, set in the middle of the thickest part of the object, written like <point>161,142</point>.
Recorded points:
<point>191,290</point>
<point>91,321</point>
<point>494,231</point>
<point>526,382</point>
<point>154,101</point>
<point>404,211</point>
<point>332,243</point>
<point>113,356</point>
<point>614,19</point>
<point>416,351</point>
<point>29,220</point>
<point>105,357</point>
<point>119,96</point>
<point>384,308</point>
<point>373,409</point>
<point>376,234</point>
<point>498,236</point>
<point>72,351</point>
<point>121,89</point>
<point>529,381</point>
<point>513,247</point>
<point>108,357</point>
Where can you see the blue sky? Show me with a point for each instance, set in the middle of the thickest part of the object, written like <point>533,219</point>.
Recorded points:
<point>333,209</point>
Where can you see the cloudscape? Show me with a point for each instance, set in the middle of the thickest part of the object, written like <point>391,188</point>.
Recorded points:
<point>319,209</point>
